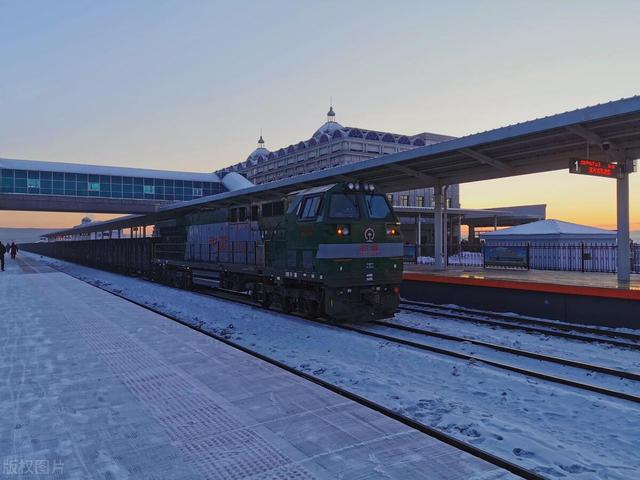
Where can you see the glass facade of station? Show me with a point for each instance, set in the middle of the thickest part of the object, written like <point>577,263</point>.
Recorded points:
<point>35,182</point>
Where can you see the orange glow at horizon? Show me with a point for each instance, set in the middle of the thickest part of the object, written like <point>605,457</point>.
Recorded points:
<point>52,220</point>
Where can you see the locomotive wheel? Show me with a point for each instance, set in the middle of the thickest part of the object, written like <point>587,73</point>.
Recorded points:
<point>311,309</point>
<point>267,300</point>
<point>287,304</point>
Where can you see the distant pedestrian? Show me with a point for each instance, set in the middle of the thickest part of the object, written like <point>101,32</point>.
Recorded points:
<point>13,249</point>
<point>3,250</point>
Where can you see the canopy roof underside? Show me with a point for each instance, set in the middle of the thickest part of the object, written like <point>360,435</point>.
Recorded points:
<point>540,145</point>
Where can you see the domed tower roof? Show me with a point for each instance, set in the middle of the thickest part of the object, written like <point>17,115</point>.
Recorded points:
<point>85,220</point>
<point>261,151</point>
<point>330,125</point>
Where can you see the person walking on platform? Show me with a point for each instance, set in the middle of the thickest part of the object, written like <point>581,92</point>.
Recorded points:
<point>3,250</point>
<point>13,249</point>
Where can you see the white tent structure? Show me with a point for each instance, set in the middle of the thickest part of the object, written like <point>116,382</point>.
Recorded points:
<point>554,245</point>
<point>550,232</point>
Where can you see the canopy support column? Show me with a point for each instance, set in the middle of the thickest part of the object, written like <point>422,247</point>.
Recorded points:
<point>624,250</point>
<point>437,227</point>
<point>445,228</point>
<point>419,236</point>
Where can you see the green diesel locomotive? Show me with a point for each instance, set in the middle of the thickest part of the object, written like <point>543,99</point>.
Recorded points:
<point>334,252</point>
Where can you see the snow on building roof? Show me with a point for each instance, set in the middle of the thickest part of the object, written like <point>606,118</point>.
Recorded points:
<point>328,128</point>
<point>551,227</point>
<point>105,170</point>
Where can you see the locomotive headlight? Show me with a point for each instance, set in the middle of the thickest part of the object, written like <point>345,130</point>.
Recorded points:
<point>342,230</point>
<point>392,231</point>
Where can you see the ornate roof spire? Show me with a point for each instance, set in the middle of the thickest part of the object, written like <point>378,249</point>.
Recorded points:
<point>331,115</point>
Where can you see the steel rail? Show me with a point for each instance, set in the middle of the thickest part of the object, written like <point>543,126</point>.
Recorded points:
<point>494,363</point>
<point>520,324</point>
<point>514,351</point>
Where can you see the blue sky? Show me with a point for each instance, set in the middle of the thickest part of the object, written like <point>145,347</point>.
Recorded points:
<point>188,84</point>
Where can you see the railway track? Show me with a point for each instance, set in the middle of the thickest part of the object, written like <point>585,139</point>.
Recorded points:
<point>545,327</point>
<point>515,351</point>
<point>497,364</point>
<point>421,427</point>
<point>238,298</point>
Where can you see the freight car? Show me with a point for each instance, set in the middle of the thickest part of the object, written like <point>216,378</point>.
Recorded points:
<point>333,251</point>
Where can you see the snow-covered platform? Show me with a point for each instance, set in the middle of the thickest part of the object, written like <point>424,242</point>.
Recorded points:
<point>578,297</point>
<point>96,387</point>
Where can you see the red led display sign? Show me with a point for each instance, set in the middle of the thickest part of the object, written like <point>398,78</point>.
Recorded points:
<point>595,168</point>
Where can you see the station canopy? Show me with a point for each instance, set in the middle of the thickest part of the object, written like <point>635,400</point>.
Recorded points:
<point>605,132</point>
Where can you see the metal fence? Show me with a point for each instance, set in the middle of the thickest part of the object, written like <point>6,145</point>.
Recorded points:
<point>424,254</point>
<point>577,257</point>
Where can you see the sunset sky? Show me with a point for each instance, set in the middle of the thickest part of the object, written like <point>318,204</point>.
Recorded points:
<point>187,85</point>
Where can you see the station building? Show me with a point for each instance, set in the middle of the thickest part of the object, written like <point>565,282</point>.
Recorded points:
<point>332,145</point>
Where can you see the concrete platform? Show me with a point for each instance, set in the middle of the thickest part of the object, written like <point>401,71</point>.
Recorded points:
<point>592,298</point>
<point>95,387</point>
<point>607,281</point>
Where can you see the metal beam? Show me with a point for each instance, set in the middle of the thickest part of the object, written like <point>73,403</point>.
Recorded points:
<point>344,178</point>
<point>583,132</point>
<point>415,173</point>
<point>594,139</point>
<point>482,158</point>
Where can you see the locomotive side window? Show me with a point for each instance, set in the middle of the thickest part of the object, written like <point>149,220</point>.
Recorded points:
<point>273,209</point>
<point>278,208</point>
<point>310,207</point>
<point>344,205</point>
<point>377,207</point>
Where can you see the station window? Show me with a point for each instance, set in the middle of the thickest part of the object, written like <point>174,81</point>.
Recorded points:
<point>420,201</point>
<point>404,200</point>
<point>33,183</point>
<point>149,189</point>
<point>93,186</point>
<point>197,192</point>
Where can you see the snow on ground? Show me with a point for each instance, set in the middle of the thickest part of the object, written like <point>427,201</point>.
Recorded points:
<point>558,431</point>
<point>572,373</point>
<point>602,354</point>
